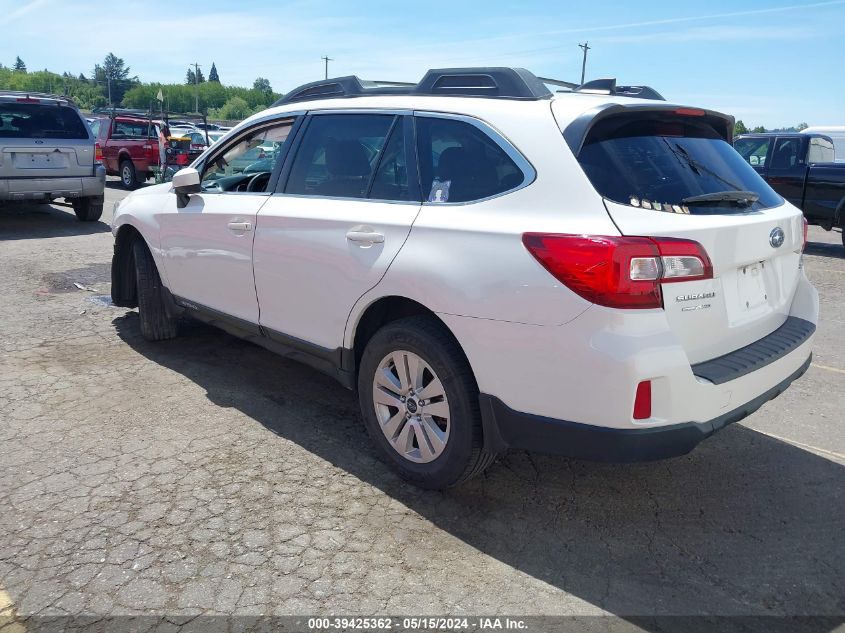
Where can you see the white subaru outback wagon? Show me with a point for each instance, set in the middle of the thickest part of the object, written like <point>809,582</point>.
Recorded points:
<point>591,272</point>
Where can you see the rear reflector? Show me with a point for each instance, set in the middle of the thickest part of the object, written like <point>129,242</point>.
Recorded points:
<point>642,401</point>
<point>619,271</point>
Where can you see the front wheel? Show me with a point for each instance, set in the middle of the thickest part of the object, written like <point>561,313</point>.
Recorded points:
<point>88,209</point>
<point>419,401</point>
<point>156,323</point>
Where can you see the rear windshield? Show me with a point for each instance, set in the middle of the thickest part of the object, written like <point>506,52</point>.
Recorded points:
<point>33,120</point>
<point>658,163</point>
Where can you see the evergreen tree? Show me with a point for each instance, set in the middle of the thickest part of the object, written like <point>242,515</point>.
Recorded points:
<point>19,66</point>
<point>213,76</point>
<point>190,77</point>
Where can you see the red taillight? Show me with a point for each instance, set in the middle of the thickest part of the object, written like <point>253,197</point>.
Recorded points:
<point>197,147</point>
<point>690,112</point>
<point>642,401</point>
<point>806,231</point>
<point>98,153</point>
<point>619,272</point>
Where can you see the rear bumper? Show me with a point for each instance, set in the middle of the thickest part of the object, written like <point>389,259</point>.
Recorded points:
<point>505,428</point>
<point>23,189</point>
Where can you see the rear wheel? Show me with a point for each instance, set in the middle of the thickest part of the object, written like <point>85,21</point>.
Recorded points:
<point>128,177</point>
<point>88,209</point>
<point>156,324</point>
<point>419,401</point>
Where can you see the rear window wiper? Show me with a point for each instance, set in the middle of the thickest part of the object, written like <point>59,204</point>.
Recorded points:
<point>743,198</point>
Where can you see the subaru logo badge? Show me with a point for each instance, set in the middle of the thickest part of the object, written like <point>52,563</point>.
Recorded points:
<point>776,237</point>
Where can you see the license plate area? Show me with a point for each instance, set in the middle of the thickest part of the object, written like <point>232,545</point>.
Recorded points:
<point>40,160</point>
<point>751,286</point>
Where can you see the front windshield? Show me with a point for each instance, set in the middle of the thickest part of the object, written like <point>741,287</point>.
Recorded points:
<point>660,163</point>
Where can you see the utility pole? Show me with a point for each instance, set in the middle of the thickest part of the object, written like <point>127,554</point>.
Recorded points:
<point>197,87</point>
<point>586,47</point>
<point>108,81</point>
<point>327,60</point>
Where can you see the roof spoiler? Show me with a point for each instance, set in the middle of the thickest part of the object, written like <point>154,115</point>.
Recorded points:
<point>576,132</point>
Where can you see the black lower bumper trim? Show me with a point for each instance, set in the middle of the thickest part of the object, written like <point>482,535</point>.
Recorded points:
<point>505,428</point>
<point>760,353</point>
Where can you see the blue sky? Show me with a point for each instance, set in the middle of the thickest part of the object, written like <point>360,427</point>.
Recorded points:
<point>765,62</point>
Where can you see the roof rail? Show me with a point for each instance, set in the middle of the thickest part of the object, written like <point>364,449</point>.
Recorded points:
<point>609,87</point>
<point>37,95</point>
<point>490,82</point>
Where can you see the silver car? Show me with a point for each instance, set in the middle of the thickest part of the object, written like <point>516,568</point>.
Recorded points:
<point>47,151</point>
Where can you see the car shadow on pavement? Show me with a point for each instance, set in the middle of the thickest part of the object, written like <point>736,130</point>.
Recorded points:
<point>745,525</point>
<point>37,221</point>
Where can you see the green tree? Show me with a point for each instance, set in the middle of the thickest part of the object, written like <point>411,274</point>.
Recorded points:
<point>262,85</point>
<point>19,66</point>
<point>190,77</point>
<point>801,126</point>
<point>234,109</point>
<point>759,129</point>
<point>212,75</point>
<point>739,128</point>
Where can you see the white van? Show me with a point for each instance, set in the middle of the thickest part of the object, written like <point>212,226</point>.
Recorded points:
<point>836,134</point>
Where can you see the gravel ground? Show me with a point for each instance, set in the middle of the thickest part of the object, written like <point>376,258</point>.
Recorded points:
<point>208,476</point>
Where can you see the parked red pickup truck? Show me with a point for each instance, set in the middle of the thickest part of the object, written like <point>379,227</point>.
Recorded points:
<point>129,147</point>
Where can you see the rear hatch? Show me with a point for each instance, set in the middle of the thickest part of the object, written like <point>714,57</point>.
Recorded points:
<point>661,171</point>
<point>43,138</point>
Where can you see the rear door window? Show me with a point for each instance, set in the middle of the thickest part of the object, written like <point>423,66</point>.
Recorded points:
<point>458,162</point>
<point>35,120</point>
<point>786,154</point>
<point>659,162</point>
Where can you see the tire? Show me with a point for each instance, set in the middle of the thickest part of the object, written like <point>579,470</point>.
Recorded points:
<point>452,453</point>
<point>128,177</point>
<point>88,209</point>
<point>156,324</point>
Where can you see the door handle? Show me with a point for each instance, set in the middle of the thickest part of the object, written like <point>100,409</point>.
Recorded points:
<point>369,237</point>
<point>240,226</point>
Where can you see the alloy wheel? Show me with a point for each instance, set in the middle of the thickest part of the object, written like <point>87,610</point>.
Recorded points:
<point>411,406</point>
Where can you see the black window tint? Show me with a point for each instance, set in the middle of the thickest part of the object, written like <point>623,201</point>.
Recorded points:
<point>460,163</point>
<point>338,155</point>
<point>391,179</point>
<point>31,120</point>
<point>665,160</point>
<point>785,155</point>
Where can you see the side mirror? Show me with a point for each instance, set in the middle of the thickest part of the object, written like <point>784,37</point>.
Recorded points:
<point>185,182</point>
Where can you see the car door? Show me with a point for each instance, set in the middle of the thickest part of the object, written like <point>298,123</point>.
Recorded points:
<point>346,204</point>
<point>788,167</point>
<point>207,245</point>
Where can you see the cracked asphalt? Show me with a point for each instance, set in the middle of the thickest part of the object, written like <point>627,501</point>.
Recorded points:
<point>207,476</point>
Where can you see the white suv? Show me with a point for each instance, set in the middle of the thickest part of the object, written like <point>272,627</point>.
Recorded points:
<point>592,272</point>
